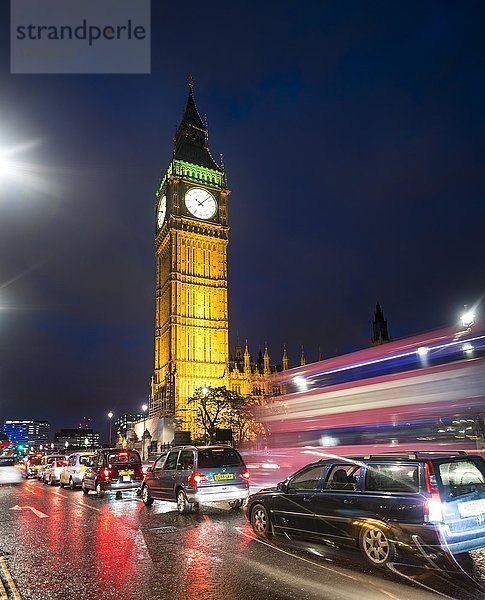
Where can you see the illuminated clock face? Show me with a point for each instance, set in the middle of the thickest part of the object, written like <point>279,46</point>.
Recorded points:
<point>200,203</point>
<point>162,211</point>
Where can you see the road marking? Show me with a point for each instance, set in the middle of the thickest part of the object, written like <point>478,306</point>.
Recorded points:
<point>3,591</point>
<point>88,506</point>
<point>79,503</point>
<point>10,581</point>
<point>36,512</point>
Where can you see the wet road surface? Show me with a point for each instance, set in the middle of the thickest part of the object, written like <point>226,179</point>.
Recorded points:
<point>71,546</point>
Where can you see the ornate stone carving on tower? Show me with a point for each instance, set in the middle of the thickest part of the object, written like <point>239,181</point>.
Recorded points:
<point>191,320</point>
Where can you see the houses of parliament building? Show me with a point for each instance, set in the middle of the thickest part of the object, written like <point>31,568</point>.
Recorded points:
<point>191,309</point>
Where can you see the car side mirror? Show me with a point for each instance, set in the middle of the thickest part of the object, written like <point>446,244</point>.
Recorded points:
<point>282,487</point>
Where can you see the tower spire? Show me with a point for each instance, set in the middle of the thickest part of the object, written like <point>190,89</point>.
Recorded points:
<point>302,357</point>
<point>191,142</point>
<point>266,365</point>
<point>380,334</point>
<point>285,361</point>
<point>247,359</point>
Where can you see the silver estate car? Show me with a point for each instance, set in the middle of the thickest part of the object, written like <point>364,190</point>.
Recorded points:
<point>193,475</point>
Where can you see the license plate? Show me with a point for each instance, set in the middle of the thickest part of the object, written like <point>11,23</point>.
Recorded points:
<point>472,508</point>
<point>122,473</point>
<point>126,478</point>
<point>223,476</point>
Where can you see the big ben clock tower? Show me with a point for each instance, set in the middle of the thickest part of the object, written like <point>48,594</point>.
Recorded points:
<point>191,320</point>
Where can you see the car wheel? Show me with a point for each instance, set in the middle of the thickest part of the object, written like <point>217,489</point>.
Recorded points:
<point>99,490</point>
<point>50,482</point>
<point>44,480</point>
<point>84,489</point>
<point>260,521</point>
<point>145,496</point>
<point>235,504</point>
<point>183,505</point>
<point>376,547</point>
<point>72,485</point>
<point>61,485</point>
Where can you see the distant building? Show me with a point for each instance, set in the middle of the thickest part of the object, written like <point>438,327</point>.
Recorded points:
<point>76,439</point>
<point>380,335</point>
<point>27,433</point>
<point>125,423</point>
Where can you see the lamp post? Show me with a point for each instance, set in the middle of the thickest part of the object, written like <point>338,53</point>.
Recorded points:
<point>110,416</point>
<point>66,445</point>
<point>144,409</point>
<point>204,391</point>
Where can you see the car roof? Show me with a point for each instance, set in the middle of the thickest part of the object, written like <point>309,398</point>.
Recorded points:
<point>213,446</point>
<point>413,456</point>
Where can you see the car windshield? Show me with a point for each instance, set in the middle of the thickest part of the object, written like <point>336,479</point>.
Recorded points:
<point>218,457</point>
<point>61,463</point>
<point>125,456</point>
<point>85,460</point>
<point>34,460</point>
<point>461,477</point>
<point>51,459</point>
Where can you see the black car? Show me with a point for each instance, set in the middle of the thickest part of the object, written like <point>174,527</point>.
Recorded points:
<point>385,503</point>
<point>113,469</point>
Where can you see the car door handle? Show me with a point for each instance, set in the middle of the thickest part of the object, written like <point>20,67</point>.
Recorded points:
<point>307,498</point>
<point>348,501</point>
<point>173,476</point>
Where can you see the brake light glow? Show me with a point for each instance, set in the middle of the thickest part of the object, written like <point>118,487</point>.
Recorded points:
<point>244,474</point>
<point>107,473</point>
<point>123,454</point>
<point>433,510</point>
<point>196,478</point>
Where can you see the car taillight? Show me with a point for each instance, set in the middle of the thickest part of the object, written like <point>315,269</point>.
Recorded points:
<point>196,478</point>
<point>107,473</point>
<point>433,510</point>
<point>244,474</point>
<point>145,470</point>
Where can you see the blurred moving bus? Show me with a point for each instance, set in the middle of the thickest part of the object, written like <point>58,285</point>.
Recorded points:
<point>422,393</point>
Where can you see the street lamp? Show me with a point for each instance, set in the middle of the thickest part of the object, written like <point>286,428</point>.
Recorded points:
<point>468,317</point>
<point>110,416</point>
<point>86,442</point>
<point>144,409</point>
<point>66,445</point>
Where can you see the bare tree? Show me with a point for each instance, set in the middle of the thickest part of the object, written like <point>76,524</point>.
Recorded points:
<point>216,408</point>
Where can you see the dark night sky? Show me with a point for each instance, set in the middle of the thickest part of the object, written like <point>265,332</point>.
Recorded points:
<point>353,139</point>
